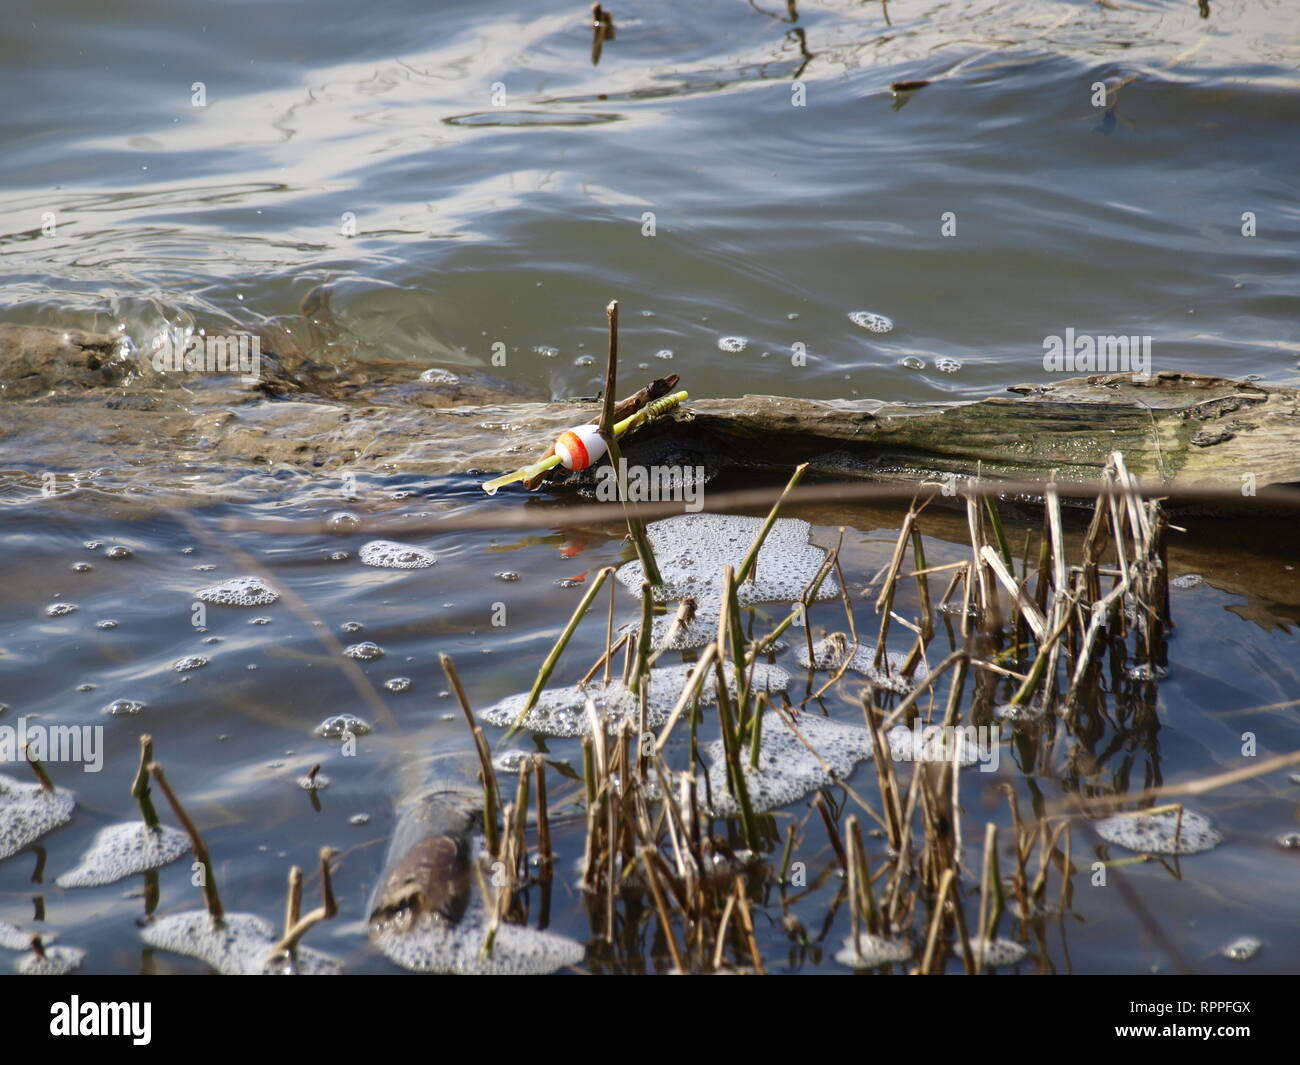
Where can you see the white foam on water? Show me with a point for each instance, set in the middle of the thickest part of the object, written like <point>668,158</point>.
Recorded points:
<point>563,711</point>
<point>28,811</point>
<point>1242,949</point>
<point>1155,833</point>
<point>435,946</point>
<point>239,591</point>
<point>829,654</point>
<point>14,938</point>
<point>998,952</point>
<point>947,365</point>
<point>692,549</point>
<point>340,725</point>
<point>872,322</point>
<point>787,770</point>
<point>123,850</point>
<point>239,945</point>
<point>388,554</point>
<point>1017,713</point>
<point>872,950</point>
<point>56,962</point>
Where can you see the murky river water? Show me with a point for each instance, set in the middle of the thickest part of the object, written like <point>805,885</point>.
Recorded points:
<point>464,176</point>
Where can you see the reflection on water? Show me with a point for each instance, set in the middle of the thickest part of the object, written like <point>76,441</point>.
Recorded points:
<point>239,735</point>
<point>467,177</point>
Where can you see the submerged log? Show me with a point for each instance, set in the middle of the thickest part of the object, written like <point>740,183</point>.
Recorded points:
<point>79,407</point>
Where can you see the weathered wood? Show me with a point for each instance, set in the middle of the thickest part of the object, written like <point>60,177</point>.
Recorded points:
<point>80,407</point>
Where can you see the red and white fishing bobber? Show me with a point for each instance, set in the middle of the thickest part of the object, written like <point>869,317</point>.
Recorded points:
<point>580,447</point>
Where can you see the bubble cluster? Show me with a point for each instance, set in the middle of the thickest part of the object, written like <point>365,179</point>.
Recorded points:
<point>343,521</point>
<point>998,952</point>
<point>123,850</point>
<point>125,707</point>
<point>692,549</point>
<point>872,950</point>
<point>239,591</point>
<point>59,610</point>
<point>436,375</point>
<point>787,770</point>
<point>947,365</point>
<point>341,726</point>
<point>388,554</point>
<point>398,684</point>
<point>28,811</point>
<point>55,961</point>
<point>1160,833</point>
<point>732,345</point>
<point>872,322</point>
<point>14,938</point>
<point>189,662</point>
<point>1019,714</point>
<point>831,653</point>
<point>1242,949</point>
<point>563,711</point>
<point>366,651</point>
<point>434,946</point>
<point>512,760</point>
<point>239,945</point>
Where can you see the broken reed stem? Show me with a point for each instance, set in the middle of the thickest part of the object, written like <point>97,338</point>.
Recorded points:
<point>991,898</point>
<point>328,909</point>
<point>140,786</point>
<point>636,527</point>
<point>885,601</point>
<point>747,924</point>
<point>749,564</point>
<point>936,920</point>
<point>487,774</point>
<point>41,775</point>
<point>648,858</point>
<point>756,729</point>
<point>545,854</point>
<point>611,372</point>
<point>293,901</point>
<point>610,646</point>
<point>689,694</point>
<point>735,771</point>
<point>210,895</point>
<point>922,585</point>
<point>644,637</point>
<point>548,667</point>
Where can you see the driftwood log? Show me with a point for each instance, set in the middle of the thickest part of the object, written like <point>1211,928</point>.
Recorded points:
<point>75,403</point>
